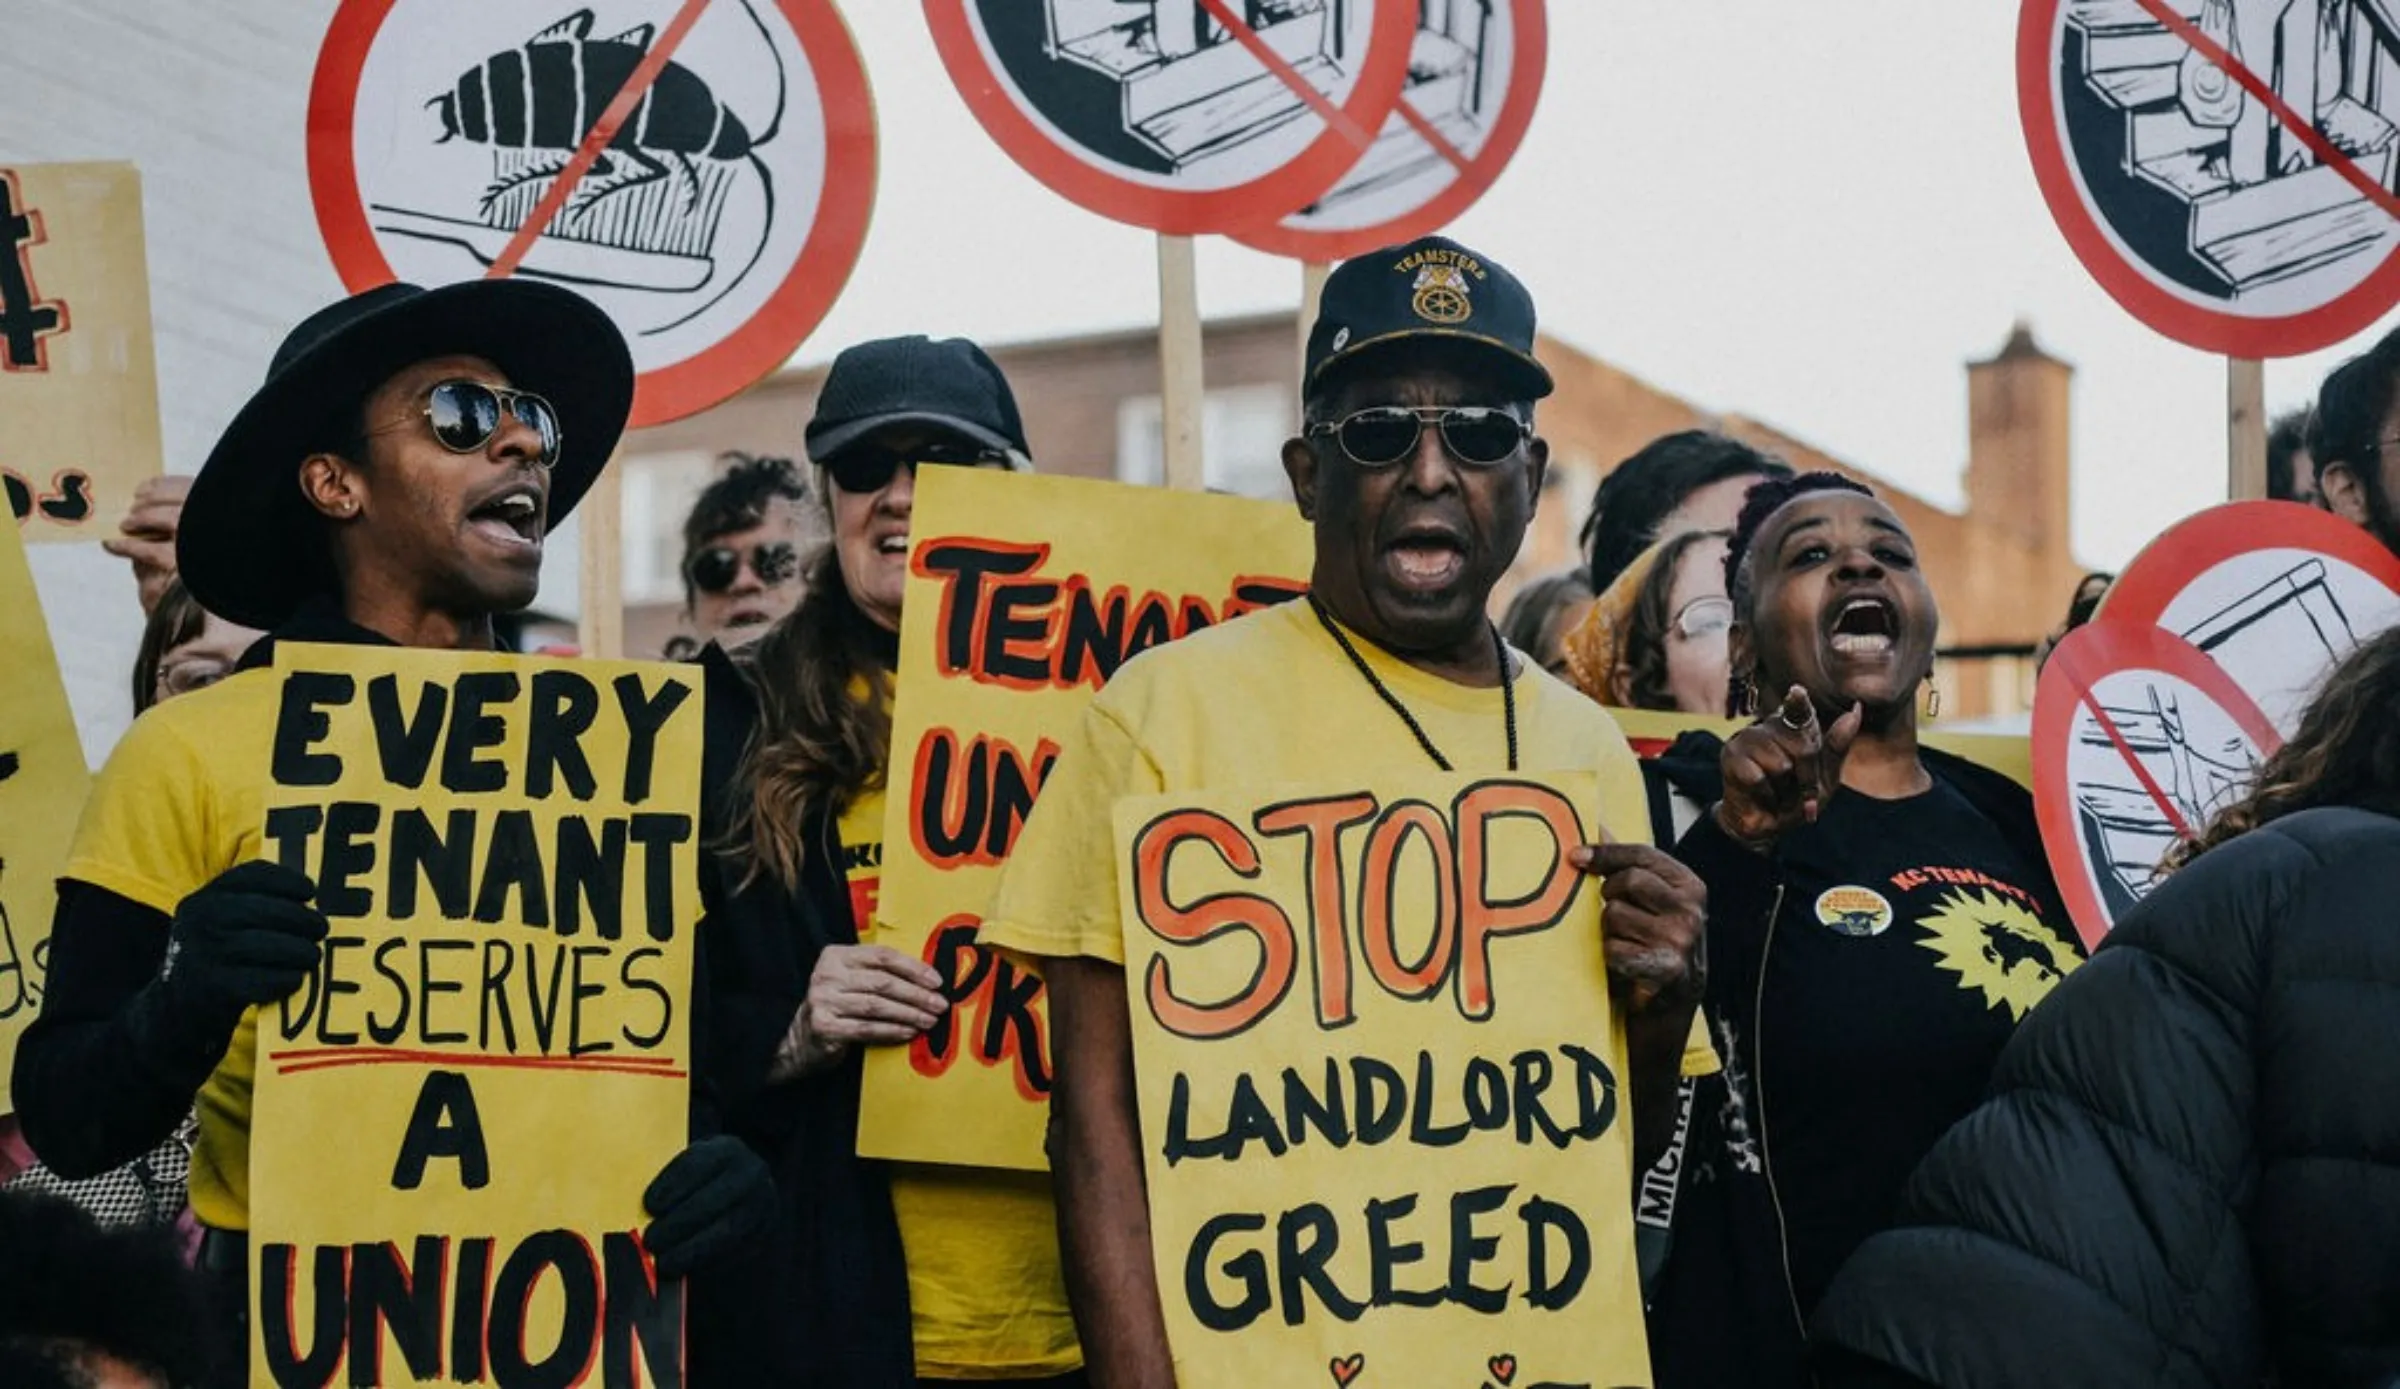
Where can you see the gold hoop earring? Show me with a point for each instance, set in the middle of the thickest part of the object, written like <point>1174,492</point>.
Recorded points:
<point>1749,704</point>
<point>1933,700</point>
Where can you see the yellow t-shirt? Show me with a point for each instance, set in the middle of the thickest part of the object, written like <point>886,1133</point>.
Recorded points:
<point>181,800</point>
<point>986,1294</point>
<point>1264,700</point>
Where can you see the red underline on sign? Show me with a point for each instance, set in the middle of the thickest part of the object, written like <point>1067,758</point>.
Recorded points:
<point>637,84</point>
<point>2141,771</point>
<point>328,1058</point>
<point>1247,37</point>
<point>2264,94</point>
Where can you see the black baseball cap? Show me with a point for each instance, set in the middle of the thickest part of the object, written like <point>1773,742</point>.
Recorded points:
<point>1430,289</point>
<point>950,383</point>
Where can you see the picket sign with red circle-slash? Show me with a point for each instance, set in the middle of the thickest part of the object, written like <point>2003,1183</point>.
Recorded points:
<point>2138,740</point>
<point>703,170</point>
<point>1471,93</point>
<point>2273,592</point>
<point>2225,208</point>
<point>1180,116</point>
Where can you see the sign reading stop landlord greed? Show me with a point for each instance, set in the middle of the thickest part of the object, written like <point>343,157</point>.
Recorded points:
<point>1382,1085</point>
<point>78,383</point>
<point>456,1117</point>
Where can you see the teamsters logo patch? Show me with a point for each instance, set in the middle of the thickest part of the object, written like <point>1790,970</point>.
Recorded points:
<point>1442,295</point>
<point>1854,911</point>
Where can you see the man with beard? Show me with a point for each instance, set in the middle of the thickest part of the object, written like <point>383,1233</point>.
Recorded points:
<point>1419,468</point>
<point>2354,436</point>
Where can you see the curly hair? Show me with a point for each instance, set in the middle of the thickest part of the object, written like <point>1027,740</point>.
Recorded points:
<point>818,745</point>
<point>737,500</point>
<point>69,1288</point>
<point>2345,752</point>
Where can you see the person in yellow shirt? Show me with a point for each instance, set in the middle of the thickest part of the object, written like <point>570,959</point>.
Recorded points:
<point>389,484</point>
<point>1418,468</point>
<point>891,1272</point>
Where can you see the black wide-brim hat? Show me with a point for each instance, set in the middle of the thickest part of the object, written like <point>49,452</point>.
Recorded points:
<point>251,549</point>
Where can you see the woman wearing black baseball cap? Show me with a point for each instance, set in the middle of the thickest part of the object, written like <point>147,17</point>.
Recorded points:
<point>895,1272</point>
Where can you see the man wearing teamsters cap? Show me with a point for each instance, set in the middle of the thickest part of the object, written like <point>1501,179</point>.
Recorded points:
<point>1418,468</point>
<point>390,484</point>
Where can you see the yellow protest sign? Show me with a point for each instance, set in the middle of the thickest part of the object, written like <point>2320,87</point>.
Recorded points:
<point>78,382</point>
<point>1387,1135</point>
<point>455,1119</point>
<point>42,784</point>
<point>2009,754</point>
<point>1024,596</point>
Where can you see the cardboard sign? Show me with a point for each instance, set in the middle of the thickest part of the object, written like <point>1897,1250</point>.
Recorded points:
<point>2139,740</point>
<point>703,172</point>
<point>43,780</point>
<point>2223,169</point>
<point>1473,81</point>
<point>78,382</point>
<point>1183,116</point>
<point>1387,1131</point>
<point>455,1119</point>
<point>1025,594</point>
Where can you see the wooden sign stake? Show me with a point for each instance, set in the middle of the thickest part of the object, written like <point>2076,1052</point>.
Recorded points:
<point>1181,376</point>
<point>2246,429</point>
<point>600,633</point>
<point>1312,293</point>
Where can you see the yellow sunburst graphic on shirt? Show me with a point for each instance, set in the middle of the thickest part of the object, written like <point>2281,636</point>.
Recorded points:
<point>1995,945</point>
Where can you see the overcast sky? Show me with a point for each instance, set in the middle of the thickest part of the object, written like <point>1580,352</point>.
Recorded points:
<point>1810,214</point>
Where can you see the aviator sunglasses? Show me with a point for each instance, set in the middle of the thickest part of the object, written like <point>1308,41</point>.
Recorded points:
<point>715,569</point>
<point>865,470</point>
<point>1476,435</point>
<point>466,414</point>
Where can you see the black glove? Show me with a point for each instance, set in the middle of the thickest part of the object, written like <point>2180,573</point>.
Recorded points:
<point>249,937</point>
<point>713,1197</point>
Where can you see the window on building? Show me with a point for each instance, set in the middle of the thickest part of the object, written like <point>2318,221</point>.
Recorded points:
<point>659,491</point>
<point>1242,430</point>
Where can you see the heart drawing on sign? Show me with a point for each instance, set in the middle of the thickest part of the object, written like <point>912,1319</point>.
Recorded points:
<point>1345,1368</point>
<point>1503,1367</point>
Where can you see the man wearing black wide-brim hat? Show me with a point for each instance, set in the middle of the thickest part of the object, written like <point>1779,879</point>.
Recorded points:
<point>390,484</point>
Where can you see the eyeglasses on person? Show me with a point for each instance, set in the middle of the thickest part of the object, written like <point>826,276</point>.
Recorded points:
<point>466,414</point>
<point>719,567</point>
<point>1479,436</point>
<point>1704,617</point>
<point>871,469</point>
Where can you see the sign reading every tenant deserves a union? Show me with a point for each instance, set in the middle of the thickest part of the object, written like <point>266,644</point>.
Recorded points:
<point>456,1118</point>
<point>1381,1085</point>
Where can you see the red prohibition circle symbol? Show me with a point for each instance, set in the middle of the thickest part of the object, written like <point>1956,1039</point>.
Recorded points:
<point>791,311</point>
<point>2140,289</point>
<point>1529,38</point>
<point>1045,152</point>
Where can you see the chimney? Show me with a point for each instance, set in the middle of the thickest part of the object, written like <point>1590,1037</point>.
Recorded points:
<point>2018,483</point>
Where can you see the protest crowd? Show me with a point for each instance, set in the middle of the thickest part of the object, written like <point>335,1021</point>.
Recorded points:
<point>2171,1161</point>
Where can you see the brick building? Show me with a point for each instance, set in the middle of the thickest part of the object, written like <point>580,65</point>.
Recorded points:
<point>2002,569</point>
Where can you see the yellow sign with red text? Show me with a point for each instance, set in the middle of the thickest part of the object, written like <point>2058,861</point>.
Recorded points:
<point>1025,594</point>
<point>78,380</point>
<point>1382,1085</point>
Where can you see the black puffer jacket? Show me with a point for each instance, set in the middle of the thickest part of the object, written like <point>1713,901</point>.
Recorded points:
<point>2188,1172</point>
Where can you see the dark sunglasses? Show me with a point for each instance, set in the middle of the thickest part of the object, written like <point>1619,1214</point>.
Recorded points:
<point>1476,435</point>
<point>715,569</point>
<point>466,414</point>
<point>864,470</point>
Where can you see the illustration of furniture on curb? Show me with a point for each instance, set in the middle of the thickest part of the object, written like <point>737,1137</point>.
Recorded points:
<point>2197,175</point>
<point>1451,83</point>
<point>1188,88</point>
<point>2124,831</point>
